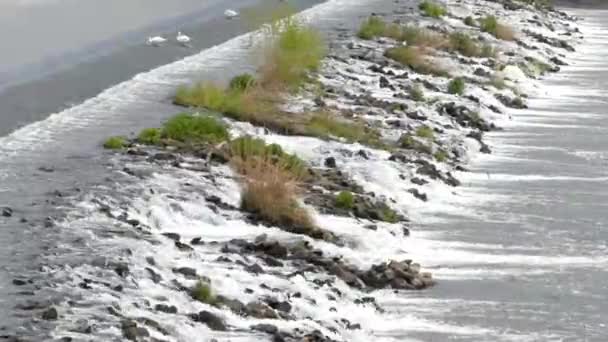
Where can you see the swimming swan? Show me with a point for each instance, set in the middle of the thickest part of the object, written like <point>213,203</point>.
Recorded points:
<point>231,13</point>
<point>182,38</point>
<point>156,40</point>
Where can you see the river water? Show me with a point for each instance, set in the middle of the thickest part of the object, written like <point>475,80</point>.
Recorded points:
<point>520,255</point>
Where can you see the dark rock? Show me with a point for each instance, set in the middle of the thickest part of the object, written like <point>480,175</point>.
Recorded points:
<point>197,241</point>
<point>419,195</point>
<point>557,61</point>
<point>267,328</point>
<point>132,332</point>
<point>384,83</point>
<point>330,162</point>
<point>122,269</point>
<point>482,73</point>
<point>50,314</point>
<point>260,310</point>
<point>515,102</point>
<point>156,278</point>
<point>255,268</point>
<point>166,308</point>
<point>234,305</point>
<point>19,282</point>
<point>184,247</point>
<point>419,181</point>
<point>172,236</point>
<point>362,154</point>
<point>188,272</point>
<point>7,212</point>
<point>213,321</point>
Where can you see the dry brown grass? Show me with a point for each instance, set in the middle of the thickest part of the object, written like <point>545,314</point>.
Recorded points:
<point>505,32</point>
<point>417,58</point>
<point>270,193</point>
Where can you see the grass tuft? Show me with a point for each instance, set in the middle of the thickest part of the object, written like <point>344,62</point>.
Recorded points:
<point>416,93</point>
<point>371,28</point>
<point>432,9</point>
<point>464,44</point>
<point>415,58</point>
<point>115,143</point>
<point>469,21</point>
<point>345,200</point>
<point>425,132</point>
<point>190,128</point>
<point>202,292</point>
<point>441,156</point>
<point>456,86</point>
<point>294,50</point>
<point>409,142</point>
<point>247,148</point>
<point>270,193</point>
<point>491,25</point>
<point>241,82</point>
<point>149,136</point>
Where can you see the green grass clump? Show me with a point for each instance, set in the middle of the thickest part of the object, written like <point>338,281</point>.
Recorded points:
<point>326,125</point>
<point>432,9</point>
<point>409,142</point>
<point>416,93</point>
<point>345,200</point>
<point>456,86</point>
<point>462,43</point>
<point>241,82</point>
<point>245,148</point>
<point>424,132</point>
<point>149,136</point>
<point>371,28</point>
<point>415,58</point>
<point>295,50</point>
<point>202,292</point>
<point>206,95</point>
<point>491,25</point>
<point>488,51</point>
<point>469,21</point>
<point>115,143</point>
<point>441,156</point>
<point>190,128</point>
<point>388,215</point>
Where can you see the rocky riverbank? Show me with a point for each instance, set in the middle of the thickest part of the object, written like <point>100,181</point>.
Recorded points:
<point>190,261</point>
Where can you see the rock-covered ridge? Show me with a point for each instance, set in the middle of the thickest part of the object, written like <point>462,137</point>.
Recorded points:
<point>235,275</point>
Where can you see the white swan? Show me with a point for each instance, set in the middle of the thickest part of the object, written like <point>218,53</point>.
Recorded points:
<point>182,38</point>
<point>231,13</point>
<point>157,40</point>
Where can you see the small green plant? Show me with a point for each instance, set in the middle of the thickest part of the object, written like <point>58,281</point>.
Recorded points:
<point>491,25</point>
<point>115,143</point>
<point>388,215</point>
<point>345,200</point>
<point>202,292</point>
<point>149,136</point>
<point>241,82</point>
<point>488,51</point>
<point>246,148</point>
<point>441,156</point>
<point>416,93</point>
<point>469,21</point>
<point>190,128</point>
<point>409,142</point>
<point>371,28</point>
<point>295,50</point>
<point>425,132</point>
<point>456,86</point>
<point>462,43</point>
<point>432,9</point>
